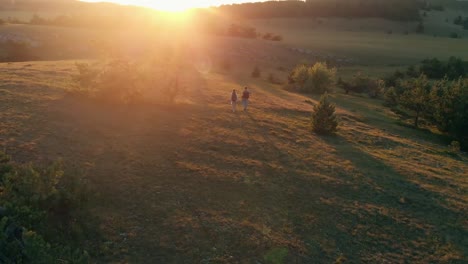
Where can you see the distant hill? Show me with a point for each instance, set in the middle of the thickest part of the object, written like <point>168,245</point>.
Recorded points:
<point>390,9</point>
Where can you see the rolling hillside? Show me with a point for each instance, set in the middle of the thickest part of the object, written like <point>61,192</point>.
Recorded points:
<point>192,181</point>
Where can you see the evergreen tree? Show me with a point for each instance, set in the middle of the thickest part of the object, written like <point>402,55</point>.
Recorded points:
<point>323,117</point>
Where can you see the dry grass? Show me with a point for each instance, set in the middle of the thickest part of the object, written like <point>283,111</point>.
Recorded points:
<point>193,182</point>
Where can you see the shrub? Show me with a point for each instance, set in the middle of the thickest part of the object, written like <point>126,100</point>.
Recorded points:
<point>393,79</point>
<point>267,36</point>
<point>46,201</point>
<point>256,73</point>
<point>391,97</point>
<point>420,28</point>
<point>364,84</point>
<point>315,79</point>
<point>273,79</point>
<point>454,35</point>
<point>458,20</point>
<point>323,117</point>
<point>235,30</point>
<point>116,81</point>
<point>412,72</point>
<point>455,146</point>
<point>277,38</point>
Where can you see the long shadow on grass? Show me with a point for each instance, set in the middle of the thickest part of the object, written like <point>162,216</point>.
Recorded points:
<point>384,187</point>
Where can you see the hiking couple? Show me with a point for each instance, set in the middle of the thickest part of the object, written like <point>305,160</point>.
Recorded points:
<point>245,99</point>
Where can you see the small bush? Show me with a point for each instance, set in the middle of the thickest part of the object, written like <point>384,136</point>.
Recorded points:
<point>267,36</point>
<point>420,28</point>
<point>364,84</point>
<point>277,38</point>
<point>454,35</point>
<point>323,119</point>
<point>455,147</point>
<point>256,73</point>
<point>273,79</point>
<point>391,97</point>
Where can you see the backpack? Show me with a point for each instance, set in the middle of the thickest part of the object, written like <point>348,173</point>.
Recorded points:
<point>234,97</point>
<point>245,95</point>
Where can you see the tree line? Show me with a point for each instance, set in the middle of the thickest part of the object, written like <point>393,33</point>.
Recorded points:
<point>406,10</point>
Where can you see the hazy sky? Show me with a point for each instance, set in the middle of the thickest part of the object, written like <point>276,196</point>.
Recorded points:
<point>175,4</point>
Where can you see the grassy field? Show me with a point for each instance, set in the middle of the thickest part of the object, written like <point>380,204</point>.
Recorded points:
<point>192,182</point>
<point>366,46</point>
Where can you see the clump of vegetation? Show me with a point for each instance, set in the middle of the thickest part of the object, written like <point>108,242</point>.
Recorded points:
<point>313,79</point>
<point>43,214</point>
<point>434,68</point>
<point>420,28</point>
<point>122,81</point>
<point>240,31</point>
<point>454,35</point>
<point>277,38</point>
<point>115,81</point>
<point>363,84</point>
<point>460,21</point>
<point>273,79</point>
<point>443,103</point>
<point>256,73</point>
<point>415,96</point>
<point>323,119</point>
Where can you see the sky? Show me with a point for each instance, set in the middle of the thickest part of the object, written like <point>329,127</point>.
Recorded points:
<point>175,5</point>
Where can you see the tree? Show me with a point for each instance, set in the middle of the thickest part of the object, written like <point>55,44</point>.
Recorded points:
<point>449,108</point>
<point>412,72</point>
<point>432,68</point>
<point>458,20</point>
<point>455,68</point>
<point>321,78</point>
<point>416,96</point>
<point>256,73</point>
<point>323,118</point>
<point>420,28</point>
<point>300,75</point>
<point>315,79</point>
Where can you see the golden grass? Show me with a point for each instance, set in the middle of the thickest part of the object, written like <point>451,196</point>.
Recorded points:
<point>194,182</point>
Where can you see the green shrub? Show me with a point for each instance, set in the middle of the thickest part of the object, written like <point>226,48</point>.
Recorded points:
<point>363,84</point>
<point>44,214</point>
<point>323,119</point>
<point>315,79</point>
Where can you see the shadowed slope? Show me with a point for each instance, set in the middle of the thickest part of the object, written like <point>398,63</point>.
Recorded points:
<point>193,182</point>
